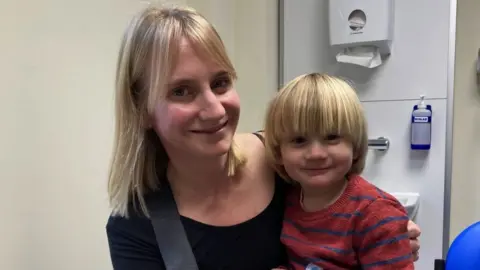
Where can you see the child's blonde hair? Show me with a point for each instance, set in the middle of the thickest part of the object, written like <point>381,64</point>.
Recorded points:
<point>147,56</point>
<point>316,105</point>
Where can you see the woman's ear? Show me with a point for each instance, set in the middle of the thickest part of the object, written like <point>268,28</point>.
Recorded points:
<point>278,156</point>
<point>146,125</point>
<point>147,121</point>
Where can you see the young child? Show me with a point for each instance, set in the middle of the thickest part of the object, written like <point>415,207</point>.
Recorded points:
<point>316,136</point>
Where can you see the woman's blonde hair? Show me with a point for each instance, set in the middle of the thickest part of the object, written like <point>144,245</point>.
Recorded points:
<point>147,55</point>
<point>316,105</point>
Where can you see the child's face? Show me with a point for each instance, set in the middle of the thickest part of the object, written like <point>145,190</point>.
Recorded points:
<point>317,163</point>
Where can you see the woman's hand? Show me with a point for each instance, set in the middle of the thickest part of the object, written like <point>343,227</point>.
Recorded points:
<point>413,233</point>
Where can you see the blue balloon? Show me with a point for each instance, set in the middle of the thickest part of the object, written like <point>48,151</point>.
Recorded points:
<point>464,253</point>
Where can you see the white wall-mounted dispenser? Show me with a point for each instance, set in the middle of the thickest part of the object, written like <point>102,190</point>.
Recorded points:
<point>361,31</point>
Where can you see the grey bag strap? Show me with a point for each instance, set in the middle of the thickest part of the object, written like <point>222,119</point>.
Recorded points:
<point>171,238</point>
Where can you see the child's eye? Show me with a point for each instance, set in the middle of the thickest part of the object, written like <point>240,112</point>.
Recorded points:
<point>299,140</point>
<point>332,137</point>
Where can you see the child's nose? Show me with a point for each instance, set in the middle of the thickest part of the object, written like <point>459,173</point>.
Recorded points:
<point>317,150</point>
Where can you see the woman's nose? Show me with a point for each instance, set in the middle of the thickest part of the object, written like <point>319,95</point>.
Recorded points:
<point>212,107</point>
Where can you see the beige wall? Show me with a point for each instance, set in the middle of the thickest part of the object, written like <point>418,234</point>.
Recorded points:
<point>466,137</point>
<point>57,72</point>
<point>249,30</point>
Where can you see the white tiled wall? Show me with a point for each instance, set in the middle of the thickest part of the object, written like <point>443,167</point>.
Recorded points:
<point>401,170</point>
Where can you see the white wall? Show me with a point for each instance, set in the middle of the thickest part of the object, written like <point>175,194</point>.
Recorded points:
<point>56,109</point>
<point>466,154</point>
<point>418,65</point>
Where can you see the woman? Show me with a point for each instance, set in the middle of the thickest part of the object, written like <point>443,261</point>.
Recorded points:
<point>177,113</point>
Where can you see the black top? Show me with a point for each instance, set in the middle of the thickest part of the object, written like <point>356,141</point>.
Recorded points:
<point>254,244</point>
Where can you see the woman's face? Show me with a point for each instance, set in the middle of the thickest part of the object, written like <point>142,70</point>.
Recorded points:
<point>199,115</point>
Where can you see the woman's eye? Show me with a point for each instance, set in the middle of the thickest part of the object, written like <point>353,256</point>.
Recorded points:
<point>221,85</point>
<point>180,92</point>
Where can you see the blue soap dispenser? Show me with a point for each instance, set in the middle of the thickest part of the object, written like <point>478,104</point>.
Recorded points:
<point>421,126</point>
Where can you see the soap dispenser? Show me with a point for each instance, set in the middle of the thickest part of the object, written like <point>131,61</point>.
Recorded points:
<point>421,126</point>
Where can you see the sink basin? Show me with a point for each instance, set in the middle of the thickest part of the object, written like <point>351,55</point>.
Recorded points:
<point>410,201</point>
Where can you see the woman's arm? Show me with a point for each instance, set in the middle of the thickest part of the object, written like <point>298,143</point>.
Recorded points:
<point>132,244</point>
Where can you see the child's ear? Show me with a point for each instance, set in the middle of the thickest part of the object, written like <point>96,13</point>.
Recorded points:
<point>356,155</point>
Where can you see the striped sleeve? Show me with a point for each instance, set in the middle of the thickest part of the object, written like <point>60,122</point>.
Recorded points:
<point>381,237</point>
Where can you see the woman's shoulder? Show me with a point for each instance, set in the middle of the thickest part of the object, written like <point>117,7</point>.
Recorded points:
<point>250,141</point>
<point>251,145</point>
<point>136,225</point>
<point>132,243</point>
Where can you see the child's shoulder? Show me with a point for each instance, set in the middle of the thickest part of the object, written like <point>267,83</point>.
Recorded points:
<point>367,193</point>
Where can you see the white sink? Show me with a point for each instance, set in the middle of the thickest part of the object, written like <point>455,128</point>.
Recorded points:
<point>410,201</point>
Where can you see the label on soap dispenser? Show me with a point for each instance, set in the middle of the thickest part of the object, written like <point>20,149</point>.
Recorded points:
<point>421,136</point>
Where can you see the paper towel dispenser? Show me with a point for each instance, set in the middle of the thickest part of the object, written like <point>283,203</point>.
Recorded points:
<point>366,25</point>
<point>361,22</point>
